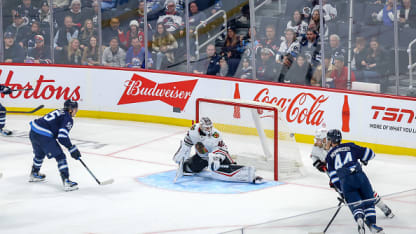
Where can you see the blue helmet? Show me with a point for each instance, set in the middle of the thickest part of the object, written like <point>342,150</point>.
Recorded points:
<point>70,104</point>
<point>334,135</point>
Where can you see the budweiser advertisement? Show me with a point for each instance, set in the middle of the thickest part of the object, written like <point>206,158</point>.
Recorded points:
<point>367,118</point>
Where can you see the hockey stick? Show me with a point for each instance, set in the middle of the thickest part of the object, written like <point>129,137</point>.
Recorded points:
<point>330,221</point>
<point>24,112</point>
<point>16,90</point>
<point>109,181</point>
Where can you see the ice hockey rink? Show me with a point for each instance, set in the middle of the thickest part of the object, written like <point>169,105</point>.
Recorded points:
<point>128,151</point>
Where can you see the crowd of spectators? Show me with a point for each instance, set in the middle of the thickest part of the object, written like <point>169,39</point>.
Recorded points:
<point>289,54</point>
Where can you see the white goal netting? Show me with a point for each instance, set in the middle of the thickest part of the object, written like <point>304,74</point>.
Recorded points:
<point>255,134</point>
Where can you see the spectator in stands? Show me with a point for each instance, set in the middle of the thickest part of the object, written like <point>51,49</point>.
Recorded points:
<point>172,19</point>
<point>266,69</point>
<point>164,45</point>
<point>135,56</point>
<point>244,19</point>
<point>196,17</point>
<point>91,54</point>
<point>87,31</point>
<point>125,39</point>
<point>72,53</point>
<point>65,34</point>
<point>113,55</point>
<point>13,53</point>
<point>230,44</point>
<point>310,46</point>
<point>300,72</point>
<point>359,53</point>
<point>375,64</point>
<point>44,14</point>
<point>386,14</point>
<point>271,41</point>
<point>111,32</point>
<point>316,25</point>
<point>329,11</point>
<point>285,66</point>
<point>407,14</point>
<point>316,79</point>
<point>289,45</point>
<point>245,71</point>
<point>209,64</point>
<point>224,70</point>
<point>340,74</point>
<point>19,29</point>
<point>29,41</point>
<point>79,15</point>
<point>335,47</point>
<point>298,25</point>
<point>27,10</point>
<point>95,10</point>
<point>40,53</point>
<point>245,47</point>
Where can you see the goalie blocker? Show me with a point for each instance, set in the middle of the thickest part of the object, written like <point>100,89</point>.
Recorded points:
<point>211,157</point>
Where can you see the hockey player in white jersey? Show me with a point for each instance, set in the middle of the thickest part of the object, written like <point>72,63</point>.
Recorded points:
<point>318,156</point>
<point>211,158</point>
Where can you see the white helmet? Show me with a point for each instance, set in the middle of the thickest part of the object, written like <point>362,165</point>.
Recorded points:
<point>206,125</point>
<point>320,134</point>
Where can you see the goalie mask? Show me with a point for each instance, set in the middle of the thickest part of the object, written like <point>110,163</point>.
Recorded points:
<point>205,126</point>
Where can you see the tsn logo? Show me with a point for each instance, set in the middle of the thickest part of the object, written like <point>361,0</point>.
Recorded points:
<point>393,114</point>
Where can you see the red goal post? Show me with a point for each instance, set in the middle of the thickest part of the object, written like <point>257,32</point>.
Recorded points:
<point>238,103</point>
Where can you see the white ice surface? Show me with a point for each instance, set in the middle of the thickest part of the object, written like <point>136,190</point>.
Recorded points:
<point>125,150</point>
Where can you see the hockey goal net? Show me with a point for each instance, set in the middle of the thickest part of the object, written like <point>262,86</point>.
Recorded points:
<point>255,134</point>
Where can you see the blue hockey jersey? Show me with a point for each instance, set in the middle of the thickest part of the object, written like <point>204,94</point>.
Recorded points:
<point>55,124</point>
<point>345,157</point>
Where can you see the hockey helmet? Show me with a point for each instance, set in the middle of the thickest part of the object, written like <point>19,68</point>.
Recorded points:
<point>320,134</point>
<point>206,125</point>
<point>334,135</point>
<point>70,104</point>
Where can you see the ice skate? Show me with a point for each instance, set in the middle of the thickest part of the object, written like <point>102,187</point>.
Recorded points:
<point>258,180</point>
<point>376,229</point>
<point>361,229</point>
<point>36,177</point>
<point>5,132</point>
<point>70,185</point>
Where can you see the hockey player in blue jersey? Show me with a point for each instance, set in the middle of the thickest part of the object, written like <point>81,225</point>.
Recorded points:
<point>45,134</point>
<point>5,90</point>
<point>344,168</point>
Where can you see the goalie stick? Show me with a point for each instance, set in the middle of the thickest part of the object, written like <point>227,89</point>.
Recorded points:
<point>24,112</point>
<point>105,182</point>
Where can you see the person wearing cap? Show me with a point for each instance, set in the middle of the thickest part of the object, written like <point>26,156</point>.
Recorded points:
<point>125,38</point>
<point>266,69</point>
<point>340,73</point>
<point>13,52</point>
<point>18,28</point>
<point>28,11</point>
<point>109,33</point>
<point>44,14</point>
<point>40,54</point>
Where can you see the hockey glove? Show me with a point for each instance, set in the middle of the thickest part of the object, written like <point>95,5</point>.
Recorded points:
<point>6,90</point>
<point>321,166</point>
<point>74,152</point>
<point>214,161</point>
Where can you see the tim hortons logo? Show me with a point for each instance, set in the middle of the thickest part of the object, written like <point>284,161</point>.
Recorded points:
<point>44,89</point>
<point>140,89</point>
<point>303,108</point>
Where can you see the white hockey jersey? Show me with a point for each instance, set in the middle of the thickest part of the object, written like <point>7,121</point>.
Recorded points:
<point>213,143</point>
<point>318,153</point>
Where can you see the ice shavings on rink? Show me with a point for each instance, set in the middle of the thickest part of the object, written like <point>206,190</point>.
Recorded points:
<point>164,180</point>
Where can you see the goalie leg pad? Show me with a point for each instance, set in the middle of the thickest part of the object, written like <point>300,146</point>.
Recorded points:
<point>195,164</point>
<point>232,173</point>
